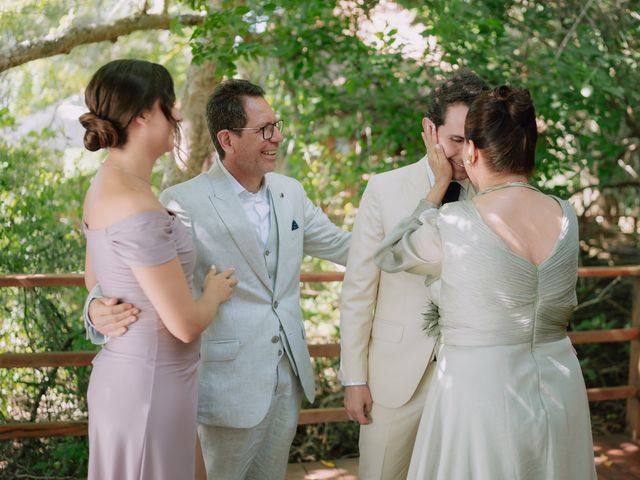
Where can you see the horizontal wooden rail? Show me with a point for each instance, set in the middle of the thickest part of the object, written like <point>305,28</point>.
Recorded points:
<point>307,416</point>
<point>43,280</point>
<point>322,415</point>
<point>624,271</point>
<point>612,393</point>
<point>11,431</point>
<point>605,336</point>
<point>81,359</point>
<point>77,279</point>
<point>48,359</point>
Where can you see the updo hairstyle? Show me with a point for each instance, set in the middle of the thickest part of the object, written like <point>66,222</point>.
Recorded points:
<point>117,93</point>
<point>502,123</point>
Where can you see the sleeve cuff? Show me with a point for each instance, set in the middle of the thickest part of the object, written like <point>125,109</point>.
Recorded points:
<point>353,384</point>
<point>91,333</point>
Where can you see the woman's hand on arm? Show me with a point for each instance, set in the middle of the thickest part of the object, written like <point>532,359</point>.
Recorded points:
<point>167,289</point>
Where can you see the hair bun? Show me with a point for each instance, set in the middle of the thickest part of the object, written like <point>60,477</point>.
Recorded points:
<point>517,103</point>
<point>100,132</point>
<point>502,92</point>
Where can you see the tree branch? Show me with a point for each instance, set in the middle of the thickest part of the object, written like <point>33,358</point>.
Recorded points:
<point>47,47</point>
<point>572,30</point>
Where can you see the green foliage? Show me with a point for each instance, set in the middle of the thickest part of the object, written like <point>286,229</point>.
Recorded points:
<point>603,304</point>
<point>575,57</point>
<point>40,218</point>
<point>352,106</point>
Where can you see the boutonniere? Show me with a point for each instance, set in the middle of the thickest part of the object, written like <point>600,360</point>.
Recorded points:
<point>431,320</point>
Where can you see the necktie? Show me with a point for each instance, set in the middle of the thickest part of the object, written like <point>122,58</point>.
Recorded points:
<point>452,194</point>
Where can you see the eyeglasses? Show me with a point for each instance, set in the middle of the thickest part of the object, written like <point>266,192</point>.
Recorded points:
<point>267,130</point>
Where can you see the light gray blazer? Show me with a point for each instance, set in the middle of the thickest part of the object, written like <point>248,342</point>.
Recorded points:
<point>239,355</point>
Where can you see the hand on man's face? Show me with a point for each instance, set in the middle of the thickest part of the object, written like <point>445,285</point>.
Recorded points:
<point>440,165</point>
<point>450,136</point>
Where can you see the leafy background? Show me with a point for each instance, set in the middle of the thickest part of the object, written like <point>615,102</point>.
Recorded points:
<point>350,79</point>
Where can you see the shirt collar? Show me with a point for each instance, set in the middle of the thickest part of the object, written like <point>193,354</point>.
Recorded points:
<point>240,191</point>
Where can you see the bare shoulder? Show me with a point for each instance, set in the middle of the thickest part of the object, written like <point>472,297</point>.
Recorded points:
<point>107,203</point>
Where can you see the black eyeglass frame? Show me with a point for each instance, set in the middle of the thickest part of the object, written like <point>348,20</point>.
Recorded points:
<point>279,125</point>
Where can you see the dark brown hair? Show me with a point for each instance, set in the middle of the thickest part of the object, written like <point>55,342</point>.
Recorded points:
<point>502,123</point>
<point>117,93</point>
<point>225,107</point>
<point>463,87</point>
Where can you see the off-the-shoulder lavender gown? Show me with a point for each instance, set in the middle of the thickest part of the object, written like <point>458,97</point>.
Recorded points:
<point>143,390</point>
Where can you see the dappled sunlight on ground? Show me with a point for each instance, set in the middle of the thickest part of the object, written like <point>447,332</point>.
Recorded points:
<point>342,469</point>
<point>616,458</point>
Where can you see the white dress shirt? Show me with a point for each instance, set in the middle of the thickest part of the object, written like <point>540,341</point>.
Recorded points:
<point>255,205</point>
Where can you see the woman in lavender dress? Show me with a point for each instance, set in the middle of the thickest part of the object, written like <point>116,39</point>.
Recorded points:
<point>143,390</point>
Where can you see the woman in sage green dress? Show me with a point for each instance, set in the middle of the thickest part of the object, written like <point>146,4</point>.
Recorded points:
<point>507,400</point>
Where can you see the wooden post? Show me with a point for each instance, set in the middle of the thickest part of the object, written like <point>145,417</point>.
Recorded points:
<point>633,403</point>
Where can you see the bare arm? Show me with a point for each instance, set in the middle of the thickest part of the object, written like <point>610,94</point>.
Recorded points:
<point>89,275</point>
<point>168,291</point>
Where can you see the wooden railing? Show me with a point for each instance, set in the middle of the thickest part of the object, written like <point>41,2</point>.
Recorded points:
<point>630,392</point>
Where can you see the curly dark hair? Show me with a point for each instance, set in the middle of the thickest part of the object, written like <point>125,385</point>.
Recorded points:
<point>463,87</point>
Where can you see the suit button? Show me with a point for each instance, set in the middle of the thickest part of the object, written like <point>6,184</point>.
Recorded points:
<point>279,352</point>
<point>267,252</point>
<point>275,339</point>
<point>275,304</point>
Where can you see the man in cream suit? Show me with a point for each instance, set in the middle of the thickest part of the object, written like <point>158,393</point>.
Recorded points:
<point>386,357</point>
<point>255,362</point>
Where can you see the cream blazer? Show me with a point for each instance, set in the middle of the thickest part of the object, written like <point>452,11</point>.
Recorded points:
<point>382,341</point>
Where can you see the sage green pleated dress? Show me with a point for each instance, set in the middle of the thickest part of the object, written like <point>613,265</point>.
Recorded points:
<point>507,400</point>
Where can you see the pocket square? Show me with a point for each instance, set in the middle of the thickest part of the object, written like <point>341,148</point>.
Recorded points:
<point>294,226</point>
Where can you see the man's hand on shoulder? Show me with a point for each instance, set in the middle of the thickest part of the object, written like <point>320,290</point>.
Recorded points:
<point>111,318</point>
<point>358,402</point>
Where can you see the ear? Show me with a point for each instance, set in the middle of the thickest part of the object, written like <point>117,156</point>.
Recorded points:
<point>225,140</point>
<point>142,118</point>
<point>472,155</point>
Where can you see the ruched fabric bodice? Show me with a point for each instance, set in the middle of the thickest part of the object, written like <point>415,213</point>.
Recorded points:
<point>143,391</point>
<point>143,240</point>
<point>493,296</point>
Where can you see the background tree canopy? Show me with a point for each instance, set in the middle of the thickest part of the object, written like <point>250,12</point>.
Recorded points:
<point>351,79</point>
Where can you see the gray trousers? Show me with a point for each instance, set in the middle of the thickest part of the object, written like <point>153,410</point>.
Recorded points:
<point>260,452</point>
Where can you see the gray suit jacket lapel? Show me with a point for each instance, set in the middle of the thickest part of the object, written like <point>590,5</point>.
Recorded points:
<point>226,203</point>
<point>284,218</point>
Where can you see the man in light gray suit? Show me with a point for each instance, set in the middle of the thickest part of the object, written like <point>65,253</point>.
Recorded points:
<point>255,362</point>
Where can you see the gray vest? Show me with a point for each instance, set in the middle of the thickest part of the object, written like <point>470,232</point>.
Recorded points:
<point>270,255</point>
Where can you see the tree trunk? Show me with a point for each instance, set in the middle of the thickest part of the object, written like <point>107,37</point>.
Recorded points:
<point>200,82</point>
